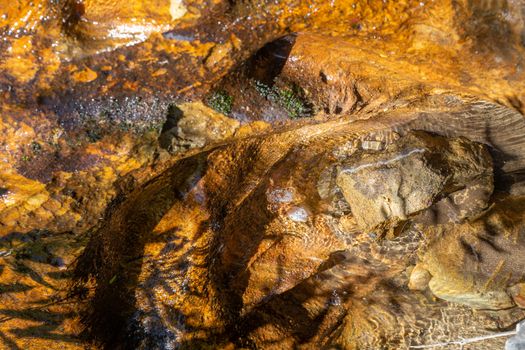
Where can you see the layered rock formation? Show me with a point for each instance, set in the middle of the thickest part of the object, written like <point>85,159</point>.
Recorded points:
<point>223,174</point>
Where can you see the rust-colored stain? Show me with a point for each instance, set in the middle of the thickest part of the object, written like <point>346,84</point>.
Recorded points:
<point>84,76</point>
<point>170,172</point>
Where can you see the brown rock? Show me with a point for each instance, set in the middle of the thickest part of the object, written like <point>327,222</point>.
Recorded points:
<point>474,263</point>
<point>241,237</point>
<point>249,233</point>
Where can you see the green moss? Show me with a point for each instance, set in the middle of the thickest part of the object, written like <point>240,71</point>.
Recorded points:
<point>36,147</point>
<point>289,98</point>
<point>295,105</point>
<point>220,101</point>
<point>263,89</point>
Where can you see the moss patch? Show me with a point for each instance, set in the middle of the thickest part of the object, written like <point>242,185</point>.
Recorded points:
<point>220,101</point>
<point>290,98</point>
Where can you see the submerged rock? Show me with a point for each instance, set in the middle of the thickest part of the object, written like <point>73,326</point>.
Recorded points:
<point>478,263</point>
<point>388,186</point>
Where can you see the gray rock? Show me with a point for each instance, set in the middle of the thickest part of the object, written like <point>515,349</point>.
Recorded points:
<point>386,187</point>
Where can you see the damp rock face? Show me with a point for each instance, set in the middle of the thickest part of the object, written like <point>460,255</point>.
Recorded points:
<point>133,216</point>
<point>385,187</point>
<point>250,235</point>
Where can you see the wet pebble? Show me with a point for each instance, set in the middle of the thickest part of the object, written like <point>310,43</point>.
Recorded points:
<point>298,214</point>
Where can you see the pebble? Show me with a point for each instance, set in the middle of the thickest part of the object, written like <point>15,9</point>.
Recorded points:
<point>298,214</point>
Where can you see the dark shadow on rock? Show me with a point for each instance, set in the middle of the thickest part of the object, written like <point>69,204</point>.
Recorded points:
<point>48,327</point>
<point>114,255</point>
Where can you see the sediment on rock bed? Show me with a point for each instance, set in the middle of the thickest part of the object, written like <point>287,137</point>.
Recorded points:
<point>251,174</point>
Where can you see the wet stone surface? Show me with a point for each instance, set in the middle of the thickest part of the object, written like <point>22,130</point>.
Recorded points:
<point>209,174</point>
<point>386,187</point>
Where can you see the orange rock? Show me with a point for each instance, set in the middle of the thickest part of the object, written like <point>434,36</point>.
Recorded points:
<point>84,76</point>
<point>244,239</point>
<point>518,294</point>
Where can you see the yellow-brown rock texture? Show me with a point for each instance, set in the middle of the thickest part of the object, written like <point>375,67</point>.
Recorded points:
<point>297,174</point>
